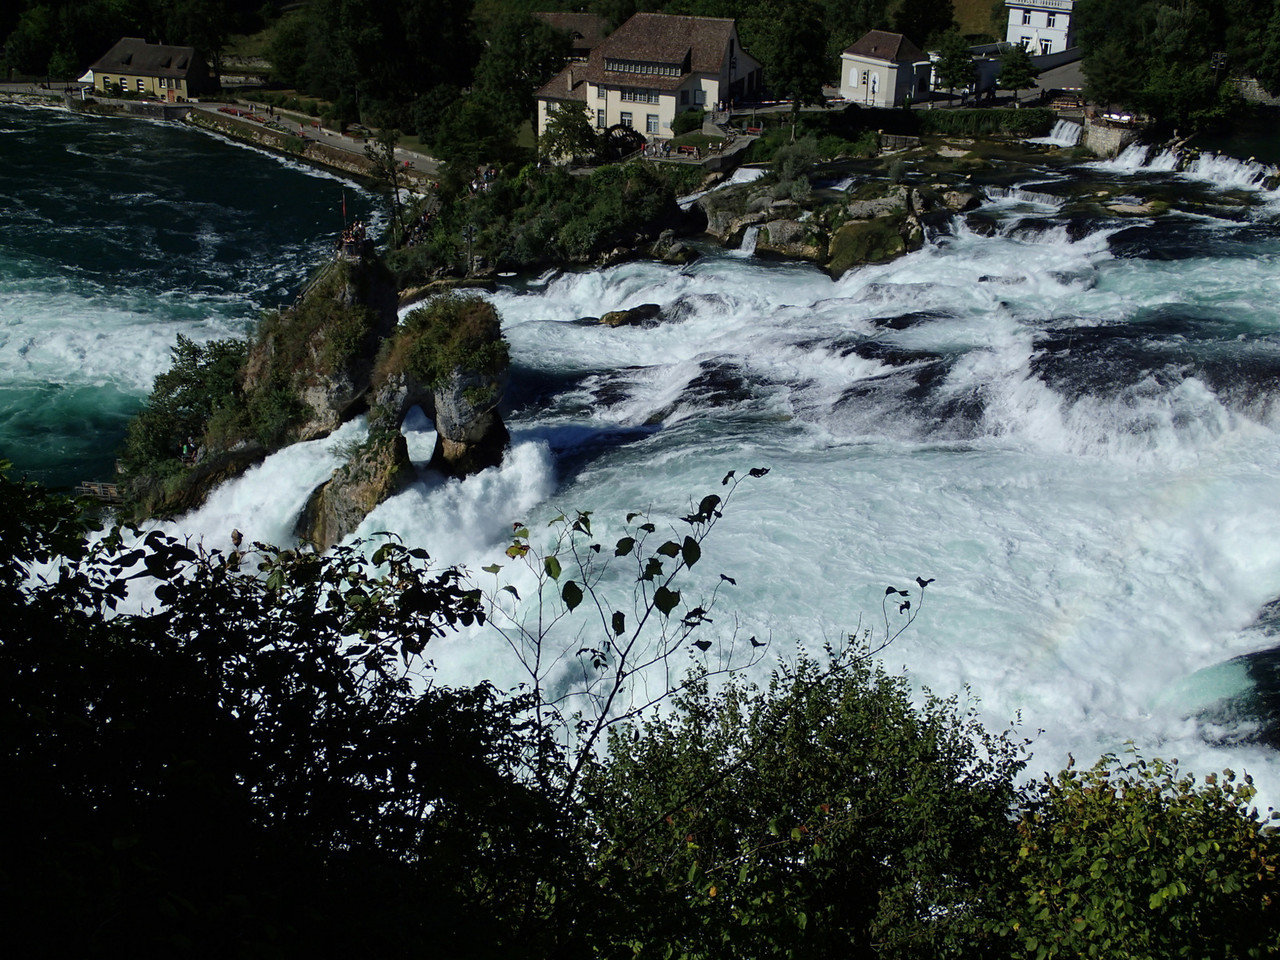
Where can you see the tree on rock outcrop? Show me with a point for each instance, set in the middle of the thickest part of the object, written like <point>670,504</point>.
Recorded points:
<point>304,375</point>
<point>454,347</point>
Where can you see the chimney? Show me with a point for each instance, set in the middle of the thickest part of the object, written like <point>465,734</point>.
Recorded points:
<point>568,73</point>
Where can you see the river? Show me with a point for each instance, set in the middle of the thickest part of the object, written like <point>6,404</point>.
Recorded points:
<point>1067,418</point>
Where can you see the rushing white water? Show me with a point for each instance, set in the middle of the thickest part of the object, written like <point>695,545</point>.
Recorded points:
<point>749,237</point>
<point>741,175</point>
<point>1079,446</point>
<point>1068,420</point>
<point>1065,133</point>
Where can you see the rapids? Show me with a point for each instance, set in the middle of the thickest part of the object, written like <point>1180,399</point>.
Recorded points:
<point>1067,418</point>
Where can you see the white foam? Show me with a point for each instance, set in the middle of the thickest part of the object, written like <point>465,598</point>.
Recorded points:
<point>1065,133</point>
<point>1093,551</point>
<point>740,175</point>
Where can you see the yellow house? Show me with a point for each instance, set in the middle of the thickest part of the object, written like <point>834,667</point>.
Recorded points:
<point>150,69</point>
<point>651,68</point>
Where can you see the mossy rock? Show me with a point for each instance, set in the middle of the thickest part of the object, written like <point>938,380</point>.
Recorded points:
<point>865,241</point>
<point>378,470</point>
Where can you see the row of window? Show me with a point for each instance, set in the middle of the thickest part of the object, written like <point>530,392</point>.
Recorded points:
<point>633,95</point>
<point>637,95</point>
<point>1046,46</point>
<point>626,120</point>
<point>641,66</point>
<point>142,88</point>
<point>1050,19</point>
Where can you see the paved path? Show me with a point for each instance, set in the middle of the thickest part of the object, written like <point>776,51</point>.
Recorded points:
<point>420,162</point>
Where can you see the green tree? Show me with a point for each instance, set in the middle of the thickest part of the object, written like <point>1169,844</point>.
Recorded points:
<point>569,136</point>
<point>790,41</point>
<point>289,42</point>
<point>1162,57</point>
<point>924,21</point>
<point>381,154</point>
<point>63,65</point>
<point>248,759</point>
<point>1266,66</point>
<point>1016,70</point>
<point>846,21</point>
<point>202,380</point>
<point>955,64</point>
<point>521,53</point>
<point>1135,858</point>
<point>822,816</point>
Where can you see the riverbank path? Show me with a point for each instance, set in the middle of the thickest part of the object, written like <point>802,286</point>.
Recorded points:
<point>420,162</point>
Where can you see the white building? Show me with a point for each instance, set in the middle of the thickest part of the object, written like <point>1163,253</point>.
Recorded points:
<point>1042,26</point>
<point>651,68</point>
<point>882,70</point>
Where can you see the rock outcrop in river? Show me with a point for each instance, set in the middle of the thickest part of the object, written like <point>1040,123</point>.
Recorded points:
<point>878,221</point>
<point>337,353</point>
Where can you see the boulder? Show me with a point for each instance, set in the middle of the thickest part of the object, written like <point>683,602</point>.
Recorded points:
<point>793,239</point>
<point>470,434</point>
<point>962,201</point>
<point>668,249</point>
<point>376,472</point>
<point>646,314</point>
<point>895,200</point>
<point>866,241</point>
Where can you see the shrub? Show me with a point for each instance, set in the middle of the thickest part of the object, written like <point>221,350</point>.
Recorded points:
<point>986,122</point>
<point>450,333</point>
<point>687,122</point>
<point>1135,858</point>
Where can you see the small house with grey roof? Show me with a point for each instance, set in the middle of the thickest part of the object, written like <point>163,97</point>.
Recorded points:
<point>883,69</point>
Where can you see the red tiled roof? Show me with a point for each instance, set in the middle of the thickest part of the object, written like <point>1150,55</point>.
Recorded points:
<point>568,84</point>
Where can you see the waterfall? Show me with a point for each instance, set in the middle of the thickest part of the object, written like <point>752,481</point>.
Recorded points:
<point>1023,195</point>
<point>748,246</point>
<point>1065,133</point>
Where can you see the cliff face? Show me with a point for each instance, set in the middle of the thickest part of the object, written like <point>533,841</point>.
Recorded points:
<point>316,357</point>
<point>450,359</point>
<point>470,434</point>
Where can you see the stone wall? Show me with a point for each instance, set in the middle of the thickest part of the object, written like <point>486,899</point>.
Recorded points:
<point>105,106</point>
<point>1252,91</point>
<point>1106,140</point>
<point>313,151</point>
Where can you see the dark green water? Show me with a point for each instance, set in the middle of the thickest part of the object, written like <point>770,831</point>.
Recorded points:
<point>116,236</point>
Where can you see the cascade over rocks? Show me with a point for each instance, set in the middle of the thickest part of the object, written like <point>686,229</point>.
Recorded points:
<point>377,471</point>
<point>337,353</point>
<point>878,221</point>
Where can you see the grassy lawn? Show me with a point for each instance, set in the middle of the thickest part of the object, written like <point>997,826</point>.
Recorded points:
<point>247,46</point>
<point>974,16</point>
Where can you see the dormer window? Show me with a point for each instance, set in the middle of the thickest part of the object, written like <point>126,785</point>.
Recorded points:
<point>641,66</point>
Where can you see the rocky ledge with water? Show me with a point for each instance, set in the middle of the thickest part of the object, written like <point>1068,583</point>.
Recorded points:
<point>339,352</point>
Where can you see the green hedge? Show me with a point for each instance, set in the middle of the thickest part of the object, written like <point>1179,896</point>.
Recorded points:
<point>1026,122</point>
